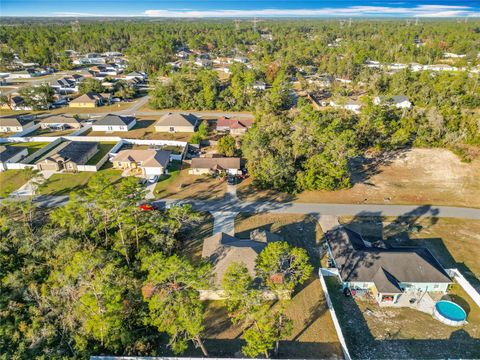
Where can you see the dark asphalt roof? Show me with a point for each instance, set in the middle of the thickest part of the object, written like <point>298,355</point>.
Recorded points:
<point>75,150</point>
<point>387,267</point>
<point>7,152</point>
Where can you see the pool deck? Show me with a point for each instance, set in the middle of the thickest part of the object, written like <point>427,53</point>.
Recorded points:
<point>425,302</point>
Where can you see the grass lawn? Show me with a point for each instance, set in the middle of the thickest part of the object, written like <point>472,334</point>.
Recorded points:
<point>440,178</point>
<point>313,335</point>
<point>31,146</point>
<point>103,149</point>
<point>63,184</point>
<point>178,184</point>
<point>47,132</point>
<point>11,180</point>
<point>403,333</point>
<point>454,242</point>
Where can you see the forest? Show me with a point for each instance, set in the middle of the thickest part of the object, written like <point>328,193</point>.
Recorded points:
<point>101,276</point>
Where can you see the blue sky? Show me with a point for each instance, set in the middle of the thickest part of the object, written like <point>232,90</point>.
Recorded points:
<point>242,8</point>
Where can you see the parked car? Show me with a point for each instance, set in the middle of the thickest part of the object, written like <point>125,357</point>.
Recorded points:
<point>231,180</point>
<point>148,207</point>
<point>152,179</point>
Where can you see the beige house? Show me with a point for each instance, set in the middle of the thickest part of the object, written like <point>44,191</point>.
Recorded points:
<point>68,155</point>
<point>142,162</point>
<point>177,123</point>
<point>205,166</point>
<point>60,122</point>
<point>13,124</point>
<point>88,100</point>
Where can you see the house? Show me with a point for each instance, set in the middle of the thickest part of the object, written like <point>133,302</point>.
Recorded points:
<point>448,55</point>
<point>64,86</point>
<point>136,75</point>
<point>61,122</point>
<point>240,59</point>
<point>440,67</point>
<point>259,85</point>
<point>113,122</point>
<point>11,154</point>
<point>183,54</point>
<point>88,100</point>
<point>386,272</point>
<point>68,155</point>
<point>16,103</point>
<point>348,104</point>
<point>222,250</point>
<point>204,63</point>
<point>142,162</point>
<point>234,126</point>
<point>205,166</point>
<point>3,78</point>
<point>177,123</point>
<point>399,101</point>
<point>11,124</point>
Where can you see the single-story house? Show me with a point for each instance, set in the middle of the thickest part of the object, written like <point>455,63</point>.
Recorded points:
<point>136,75</point>
<point>88,100</point>
<point>386,272</point>
<point>64,86</point>
<point>205,166</point>
<point>11,154</point>
<point>113,122</point>
<point>15,123</point>
<point>177,123</point>
<point>234,126</point>
<point>16,102</point>
<point>259,85</point>
<point>142,162</point>
<point>68,155</point>
<point>56,122</point>
<point>222,250</point>
<point>399,101</point>
<point>349,104</point>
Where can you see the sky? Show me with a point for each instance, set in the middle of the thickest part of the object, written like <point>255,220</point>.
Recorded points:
<point>242,8</point>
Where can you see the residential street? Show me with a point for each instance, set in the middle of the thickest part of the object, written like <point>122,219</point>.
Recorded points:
<point>237,206</point>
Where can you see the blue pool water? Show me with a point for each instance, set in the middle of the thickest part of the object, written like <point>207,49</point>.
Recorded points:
<point>451,310</point>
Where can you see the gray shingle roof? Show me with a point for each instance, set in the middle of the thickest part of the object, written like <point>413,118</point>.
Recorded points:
<point>112,119</point>
<point>177,120</point>
<point>358,263</point>
<point>7,152</point>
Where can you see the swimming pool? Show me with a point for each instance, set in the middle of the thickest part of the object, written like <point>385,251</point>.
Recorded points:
<point>449,313</point>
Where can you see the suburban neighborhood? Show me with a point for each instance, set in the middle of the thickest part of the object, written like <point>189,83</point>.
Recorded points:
<point>248,187</point>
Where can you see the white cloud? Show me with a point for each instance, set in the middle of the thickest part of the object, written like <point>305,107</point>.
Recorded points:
<point>353,11</point>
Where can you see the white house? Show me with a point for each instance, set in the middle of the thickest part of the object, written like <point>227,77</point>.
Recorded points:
<point>142,162</point>
<point>205,166</point>
<point>113,123</point>
<point>11,124</point>
<point>136,75</point>
<point>349,104</point>
<point>448,55</point>
<point>399,101</point>
<point>259,85</point>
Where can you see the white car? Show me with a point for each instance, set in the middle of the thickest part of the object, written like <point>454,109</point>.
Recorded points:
<point>153,179</point>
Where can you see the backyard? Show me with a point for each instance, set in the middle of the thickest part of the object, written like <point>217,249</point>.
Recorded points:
<point>178,184</point>
<point>31,146</point>
<point>103,149</point>
<point>63,184</point>
<point>47,132</point>
<point>373,332</point>
<point>440,178</point>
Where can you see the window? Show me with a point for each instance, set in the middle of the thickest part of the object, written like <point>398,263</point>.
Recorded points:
<point>436,286</point>
<point>172,129</point>
<point>110,128</point>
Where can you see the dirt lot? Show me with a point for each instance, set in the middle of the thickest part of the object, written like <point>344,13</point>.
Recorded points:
<point>416,176</point>
<point>454,242</point>
<point>386,333</point>
<point>179,184</point>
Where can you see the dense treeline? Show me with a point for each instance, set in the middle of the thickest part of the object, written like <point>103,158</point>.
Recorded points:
<point>311,150</point>
<point>100,276</point>
<point>150,45</point>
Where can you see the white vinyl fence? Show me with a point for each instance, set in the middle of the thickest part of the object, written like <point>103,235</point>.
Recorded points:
<point>469,289</point>
<point>333,314</point>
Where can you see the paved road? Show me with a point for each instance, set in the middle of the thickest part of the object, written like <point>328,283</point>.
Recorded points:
<point>304,208</point>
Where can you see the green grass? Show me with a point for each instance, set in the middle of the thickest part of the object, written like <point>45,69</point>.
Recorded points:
<point>11,180</point>
<point>165,180</point>
<point>103,149</point>
<point>48,132</point>
<point>64,184</point>
<point>31,146</point>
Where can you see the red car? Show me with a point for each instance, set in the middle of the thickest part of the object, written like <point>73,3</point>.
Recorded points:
<point>147,207</point>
